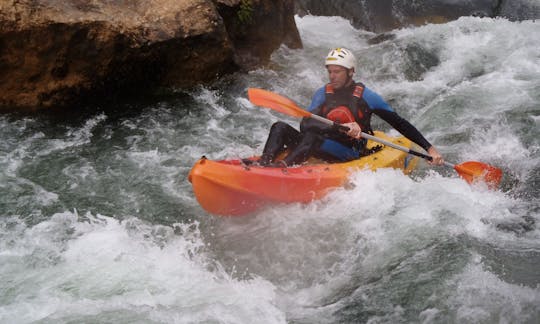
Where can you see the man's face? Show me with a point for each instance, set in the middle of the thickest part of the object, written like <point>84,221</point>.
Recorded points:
<point>339,76</point>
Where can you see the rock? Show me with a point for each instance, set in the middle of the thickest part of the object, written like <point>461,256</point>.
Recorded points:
<point>383,15</point>
<point>418,60</point>
<point>274,22</point>
<point>519,10</point>
<point>56,53</point>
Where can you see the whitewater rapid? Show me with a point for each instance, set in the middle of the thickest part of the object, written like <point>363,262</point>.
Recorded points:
<point>98,222</point>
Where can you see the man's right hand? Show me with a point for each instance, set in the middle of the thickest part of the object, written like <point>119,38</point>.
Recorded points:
<point>354,131</point>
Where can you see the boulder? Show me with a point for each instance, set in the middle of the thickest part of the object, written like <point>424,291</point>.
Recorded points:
<point>519,9</point>
<point>59,53</point>
<point>384,15</point>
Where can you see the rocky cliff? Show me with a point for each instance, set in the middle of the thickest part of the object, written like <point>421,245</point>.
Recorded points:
<point>57,53</point>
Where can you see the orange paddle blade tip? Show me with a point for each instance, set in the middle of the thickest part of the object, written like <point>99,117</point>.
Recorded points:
<point>473,171</point>
<point>276,102</point>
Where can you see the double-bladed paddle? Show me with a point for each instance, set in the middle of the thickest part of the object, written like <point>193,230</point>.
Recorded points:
<point>471,171</point>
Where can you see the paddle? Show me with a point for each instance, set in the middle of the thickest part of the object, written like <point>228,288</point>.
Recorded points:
<point>471,171</point>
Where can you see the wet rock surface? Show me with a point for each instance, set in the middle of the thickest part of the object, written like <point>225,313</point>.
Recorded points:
<point>384,15</point>
<point>60,53</point>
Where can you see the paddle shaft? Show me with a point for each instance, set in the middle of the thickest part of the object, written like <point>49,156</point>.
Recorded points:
<point>379,140</point>
<point>470,171</point>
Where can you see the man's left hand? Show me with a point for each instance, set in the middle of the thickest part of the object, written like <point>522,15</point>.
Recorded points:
<point>437,158</point>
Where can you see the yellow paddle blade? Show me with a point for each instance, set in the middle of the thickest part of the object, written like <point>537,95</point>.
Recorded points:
<point>276,102</point>
<point>473,171</point>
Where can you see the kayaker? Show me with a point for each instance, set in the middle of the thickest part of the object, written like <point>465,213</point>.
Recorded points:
<point>347,102</point>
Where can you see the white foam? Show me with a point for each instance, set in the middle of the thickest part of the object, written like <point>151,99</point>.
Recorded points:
<point>297,262</point>
<point>97,265</point>
<point>313,252</point>
<point>480,296</point>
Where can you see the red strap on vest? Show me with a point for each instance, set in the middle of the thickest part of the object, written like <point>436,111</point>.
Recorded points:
<point>329,88</point>
<point>358,91</point>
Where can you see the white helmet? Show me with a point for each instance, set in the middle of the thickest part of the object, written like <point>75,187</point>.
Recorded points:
<point>342,57</point>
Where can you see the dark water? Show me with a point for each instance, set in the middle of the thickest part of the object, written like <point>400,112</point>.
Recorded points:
<point>99,224</point>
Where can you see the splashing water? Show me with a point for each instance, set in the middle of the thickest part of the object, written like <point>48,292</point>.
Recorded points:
<point>99,224</point>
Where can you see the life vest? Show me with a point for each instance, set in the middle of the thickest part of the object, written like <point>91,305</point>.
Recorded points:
<point>348,107</point>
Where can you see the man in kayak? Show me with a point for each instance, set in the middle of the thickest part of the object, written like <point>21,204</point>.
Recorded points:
<point>348,103</point>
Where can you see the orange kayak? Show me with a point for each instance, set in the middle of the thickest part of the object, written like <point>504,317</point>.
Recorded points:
<point>232,188</point>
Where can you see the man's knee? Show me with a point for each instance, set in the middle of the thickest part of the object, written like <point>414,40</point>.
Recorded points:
<point>279,126</point>
<point>311,139</point>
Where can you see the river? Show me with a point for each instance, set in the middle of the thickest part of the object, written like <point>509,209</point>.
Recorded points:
<point>98,223</point>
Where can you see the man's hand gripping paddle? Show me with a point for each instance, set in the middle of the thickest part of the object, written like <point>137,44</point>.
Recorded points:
<point>470,171</point>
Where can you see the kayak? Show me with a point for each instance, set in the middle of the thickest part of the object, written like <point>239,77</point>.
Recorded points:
<point>235,188</point>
